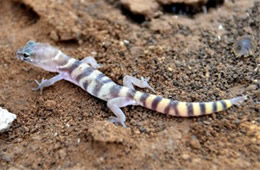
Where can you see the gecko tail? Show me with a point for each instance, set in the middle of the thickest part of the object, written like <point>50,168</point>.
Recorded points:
<point>238,100</point>
<point>186,109</point>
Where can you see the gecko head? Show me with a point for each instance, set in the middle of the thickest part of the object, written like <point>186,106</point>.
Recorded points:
<point>39,54</point>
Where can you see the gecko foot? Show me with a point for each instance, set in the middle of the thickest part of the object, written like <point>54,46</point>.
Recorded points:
<point>41,85</point>
<point>145,83</point>
<point>130,81</point>
<point>91,60</point>
<point>114,119</point>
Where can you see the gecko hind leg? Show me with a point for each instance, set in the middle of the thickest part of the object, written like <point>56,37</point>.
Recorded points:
<point>115,104</point>
<point>91,61</point>
<point>130,81</point>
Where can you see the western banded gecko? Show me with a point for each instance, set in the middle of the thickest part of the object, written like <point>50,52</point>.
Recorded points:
<point>84,74</point>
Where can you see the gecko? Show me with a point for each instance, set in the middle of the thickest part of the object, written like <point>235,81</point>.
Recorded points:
<point>85,73</point>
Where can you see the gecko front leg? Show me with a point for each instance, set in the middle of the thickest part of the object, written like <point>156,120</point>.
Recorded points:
<point>129,81</point>
<point>47,83</point>
<point>115,104</point>
<point>91,61</point>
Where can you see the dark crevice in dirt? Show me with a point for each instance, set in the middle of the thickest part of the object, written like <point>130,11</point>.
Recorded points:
<point>137,18</point>
<point>70,42</point>
<point>214,3</point>
<point>174,8</point>
<point>27,11</point>
<point>191,10</point>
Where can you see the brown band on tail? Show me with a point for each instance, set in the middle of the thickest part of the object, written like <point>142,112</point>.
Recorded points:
<point>155,102</point>
<point>224,105</point>
<point>215,107</point>
<point>171,108</point>
<point>143,98</point>
<point>202,108</point>
<point>190,109</point>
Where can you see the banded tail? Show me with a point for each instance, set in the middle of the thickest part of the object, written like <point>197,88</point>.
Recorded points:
<point>184,109</point>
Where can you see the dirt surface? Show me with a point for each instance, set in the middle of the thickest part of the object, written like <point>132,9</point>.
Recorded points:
<point>189,57</point>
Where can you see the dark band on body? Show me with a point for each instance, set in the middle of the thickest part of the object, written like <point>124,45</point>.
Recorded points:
<point>99,83</point>
<point>87,71</point>
<point>70,68</point>
<point>85,85</point>
<point>130,93</point>
<point>97,88</point>
<point>107,81</point>
<point>100,76</point>
<point>115,90</point>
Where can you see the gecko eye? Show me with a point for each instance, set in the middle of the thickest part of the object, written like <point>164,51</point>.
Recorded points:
<point>26,55</point>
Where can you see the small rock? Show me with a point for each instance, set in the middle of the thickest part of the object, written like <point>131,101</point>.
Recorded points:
<point>196,160</point>
<point>185,156</point>
<point>244,46</point>
<point>54,36</point>
<point>62,153</point>
<point>137,51</point>
<point>206,122</point>
<point>106,132</point>
<point>6,119</point>
<point>143,7</point>
<point>195,142</point>
<point>137,132</point>
<point>258,59</point>
<point>126,42</point>
<point>160,25</point>
<point>251,87</point>
<point>50,104</point>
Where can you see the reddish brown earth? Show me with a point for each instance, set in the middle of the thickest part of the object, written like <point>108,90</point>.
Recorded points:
<point>188,57</point>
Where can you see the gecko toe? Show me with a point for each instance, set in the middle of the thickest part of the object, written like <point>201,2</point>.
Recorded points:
<point>114,119</point>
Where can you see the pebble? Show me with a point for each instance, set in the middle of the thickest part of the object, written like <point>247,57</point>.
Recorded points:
<point>206,122</point>
<point>6,119</point>
<point>54,36</point>
<point>170,69</point>
<point>195,142</point>
<point>126,42</point>
<point>185,156</point>
<point>137,51</point>
<point>251,87</point>
<point>244,46</point>
<point>50,104</point>
<point>144,7</point>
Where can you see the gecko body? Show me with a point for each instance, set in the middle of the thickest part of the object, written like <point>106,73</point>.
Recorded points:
<point>84,73</point>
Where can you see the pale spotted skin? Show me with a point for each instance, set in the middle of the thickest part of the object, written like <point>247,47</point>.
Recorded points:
<point>84,73</point>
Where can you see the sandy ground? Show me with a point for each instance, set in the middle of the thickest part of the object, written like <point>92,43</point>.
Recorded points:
<point>189,57</point>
